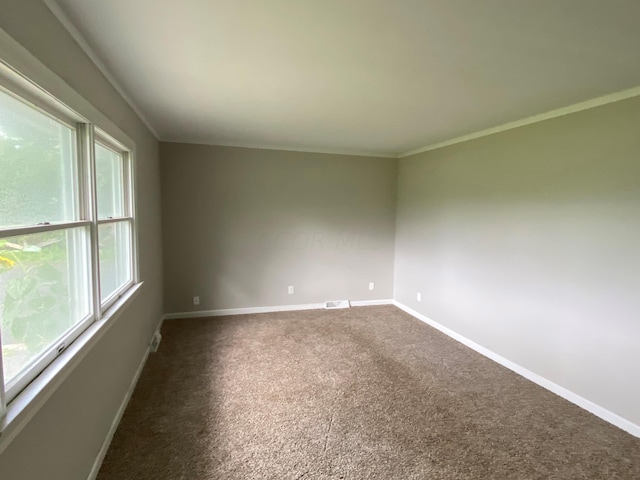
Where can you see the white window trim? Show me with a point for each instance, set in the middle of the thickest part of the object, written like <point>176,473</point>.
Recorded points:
<point>25,76</point>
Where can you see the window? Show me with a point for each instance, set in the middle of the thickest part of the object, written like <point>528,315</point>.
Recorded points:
<point>67,249</point>
<point>115,221</point>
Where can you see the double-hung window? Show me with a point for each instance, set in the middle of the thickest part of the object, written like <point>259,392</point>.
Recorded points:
<point>67,249</point>
<point>115,220</point>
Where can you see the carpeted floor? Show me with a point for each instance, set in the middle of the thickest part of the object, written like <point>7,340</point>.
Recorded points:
<point>364,393</point>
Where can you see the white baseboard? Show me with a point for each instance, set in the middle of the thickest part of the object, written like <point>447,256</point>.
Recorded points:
<point>574,398</point>
<point>243,311</point>
<point>367,303</point>
<point>275,308</point>
<point>116,421</point>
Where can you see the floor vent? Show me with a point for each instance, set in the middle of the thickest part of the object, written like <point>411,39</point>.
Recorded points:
<point>337,304</point>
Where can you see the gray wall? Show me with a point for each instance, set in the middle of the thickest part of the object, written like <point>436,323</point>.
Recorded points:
<point>240,225</point>
<point>63,439</point>
<point>527,243</point>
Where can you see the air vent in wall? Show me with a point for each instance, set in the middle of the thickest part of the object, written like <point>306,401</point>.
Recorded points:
<point>337,304</point>
<point>155,341</point>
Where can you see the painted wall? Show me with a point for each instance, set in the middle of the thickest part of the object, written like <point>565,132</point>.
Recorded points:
<point>240,225</point>
<point>63,439</point>
<point>527,243</point>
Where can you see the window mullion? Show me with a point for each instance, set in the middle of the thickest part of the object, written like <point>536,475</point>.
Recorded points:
<point>127,184</point>
<point>3,395</point>
<point>131,206</point>
<point>90,209</point>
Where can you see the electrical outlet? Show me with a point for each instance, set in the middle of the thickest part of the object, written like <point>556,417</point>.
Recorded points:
<point>419,296</point>
<point>196,300</point>
<point>290,289</point>
<point>372,285</point>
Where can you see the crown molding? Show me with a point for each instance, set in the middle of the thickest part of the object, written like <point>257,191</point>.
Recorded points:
<point>577,107</point>
<point>61,15</point>
<point>284,148</point>
<point>559,112</point>
<point>68,24</point>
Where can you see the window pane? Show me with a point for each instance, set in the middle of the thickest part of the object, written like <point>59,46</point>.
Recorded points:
<point>44,291</point>
<point>37,166</point>
<point>109,183</point>
<point>115,257</point>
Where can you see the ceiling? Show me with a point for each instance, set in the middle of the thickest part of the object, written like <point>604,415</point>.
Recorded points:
<point>356,76</point>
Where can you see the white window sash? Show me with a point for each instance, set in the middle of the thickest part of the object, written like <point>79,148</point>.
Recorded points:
<point>84,204</point>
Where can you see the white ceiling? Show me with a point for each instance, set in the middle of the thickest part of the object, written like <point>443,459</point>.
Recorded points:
<point>374,76</point>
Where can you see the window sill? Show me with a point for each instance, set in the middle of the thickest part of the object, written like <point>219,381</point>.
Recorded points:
<point>28,402</point>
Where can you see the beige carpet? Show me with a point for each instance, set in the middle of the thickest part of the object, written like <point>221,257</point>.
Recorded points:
<point>365,393</point>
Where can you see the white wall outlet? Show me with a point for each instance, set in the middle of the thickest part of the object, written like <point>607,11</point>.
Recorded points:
<point>372,285</point>
<point>290,290</point>
<point>419,296</point>
<point>196,300</point>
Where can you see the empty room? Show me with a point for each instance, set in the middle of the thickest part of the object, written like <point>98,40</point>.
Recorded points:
<point>298,240</point>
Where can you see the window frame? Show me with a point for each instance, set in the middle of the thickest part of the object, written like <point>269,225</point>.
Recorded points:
<point>102,139</point>
<point>89,128</point>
